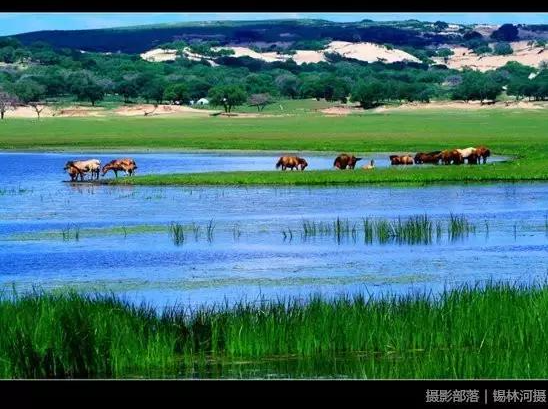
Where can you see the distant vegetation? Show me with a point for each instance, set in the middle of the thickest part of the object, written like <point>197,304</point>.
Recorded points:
<point>35,73</point>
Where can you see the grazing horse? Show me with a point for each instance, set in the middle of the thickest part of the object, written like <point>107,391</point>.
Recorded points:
<point>451,156</point>
<point>292,162</point>
<point>430,157</point>
<point>344,161</point>
<point>73,172</point>
<point>483,153</point>
<point>466,152</point>
<point>127,165</point>
<point>473,159</point>
<point>84,166</point>
<point>401,160</point>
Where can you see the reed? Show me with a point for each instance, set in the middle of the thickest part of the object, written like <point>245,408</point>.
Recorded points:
<point>469,332</point>
<point>177,233</point>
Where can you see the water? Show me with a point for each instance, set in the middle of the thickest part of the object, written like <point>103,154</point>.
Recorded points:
<point>247,256</point>
<point>48,167</point>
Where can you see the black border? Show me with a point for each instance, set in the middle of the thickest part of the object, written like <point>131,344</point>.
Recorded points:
<point>373,393</point>
<point>239,6</point>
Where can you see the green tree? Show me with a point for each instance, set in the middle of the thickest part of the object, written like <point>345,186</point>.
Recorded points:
<point>31,93</point>
<point>227,96</point>
<point>177,93</point>
<point>503,49</point>
<point>368,94</point>
<point>86,87</point>
<point>153,90</point>
<point>288,85</point>
<point>128,88</point>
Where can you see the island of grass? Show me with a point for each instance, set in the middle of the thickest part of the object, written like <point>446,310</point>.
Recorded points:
<point>471,332</point>
<point>519,134</point>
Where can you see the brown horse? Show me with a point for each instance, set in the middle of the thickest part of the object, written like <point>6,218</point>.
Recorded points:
<point>127,165</point>
<point>401,160</point>
<point>451,156</point>
<point>292,162</point>
<point>74,172</point>
<point>473,159</point>
<point>483,153</point>
<point>344,161</point>
<point>430,157</point>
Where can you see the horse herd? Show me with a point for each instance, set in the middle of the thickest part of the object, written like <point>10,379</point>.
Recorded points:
<point>447,157</point>
<point>81,167</point>
<point>78,169</point>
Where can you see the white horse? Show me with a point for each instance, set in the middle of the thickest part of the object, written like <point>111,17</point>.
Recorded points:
<point>466,152</point>
<point>84,166</point>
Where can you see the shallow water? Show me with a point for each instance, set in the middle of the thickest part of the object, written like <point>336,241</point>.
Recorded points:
<point>247,256</point>
<point>49,166</point>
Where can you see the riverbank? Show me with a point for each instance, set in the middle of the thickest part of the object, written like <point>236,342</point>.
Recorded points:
<point>521,135</point>
<point>412,175</point>
<point>470,332</point>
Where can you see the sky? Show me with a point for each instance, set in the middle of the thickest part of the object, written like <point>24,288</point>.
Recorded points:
<point>14,23</point>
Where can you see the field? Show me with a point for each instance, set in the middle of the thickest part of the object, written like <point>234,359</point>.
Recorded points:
<point>472,332</point>
<point>521,134</point>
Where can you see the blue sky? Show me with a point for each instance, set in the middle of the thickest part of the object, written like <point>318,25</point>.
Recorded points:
<point>13,23</point>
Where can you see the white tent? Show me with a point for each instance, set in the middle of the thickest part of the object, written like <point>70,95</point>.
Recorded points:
<point>202,101</point>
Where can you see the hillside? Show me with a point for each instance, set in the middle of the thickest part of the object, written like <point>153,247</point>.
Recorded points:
<point>274,32</point>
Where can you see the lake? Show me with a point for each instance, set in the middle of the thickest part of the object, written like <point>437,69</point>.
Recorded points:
<point>116,238</point>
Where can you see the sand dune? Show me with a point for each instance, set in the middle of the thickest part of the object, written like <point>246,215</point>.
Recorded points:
<point>369,52</point>
<point>523,54</point>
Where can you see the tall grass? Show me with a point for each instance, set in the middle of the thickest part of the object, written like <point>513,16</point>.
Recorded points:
<point>71,232</point>
<point>177,233</point>
<point>418,229</point>
<point>495,331</point>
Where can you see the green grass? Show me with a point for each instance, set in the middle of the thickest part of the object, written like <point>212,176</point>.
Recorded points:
<point>518,133</point>
<point>493,332</point>
<point>519,170</point>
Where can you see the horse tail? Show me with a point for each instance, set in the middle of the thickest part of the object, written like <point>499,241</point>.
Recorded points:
<point>279,163</point>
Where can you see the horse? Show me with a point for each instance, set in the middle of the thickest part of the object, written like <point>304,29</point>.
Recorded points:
<point>401,160</point>
<point>430,157</point>
<point>292,162</point>
<point>84,166</point>
<point>451,156</point>
<point>127,165</point>
<point>466,152</point>
<point>344,161</point>
<point>483,153</point>
<point>73,172</point>
<point>370,166</point>
<point>473,159</point>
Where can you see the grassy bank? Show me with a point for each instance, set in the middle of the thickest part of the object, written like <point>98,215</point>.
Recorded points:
<point>494,332</point>
<point>505,131</point>
<point>404,176</point>
<point>520,134</point>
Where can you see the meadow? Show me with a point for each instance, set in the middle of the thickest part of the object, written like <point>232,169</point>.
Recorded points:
<point>521,134</point>
<point>493,331</point>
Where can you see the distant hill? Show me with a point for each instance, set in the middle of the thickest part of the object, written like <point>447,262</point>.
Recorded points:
<point>139,39</point>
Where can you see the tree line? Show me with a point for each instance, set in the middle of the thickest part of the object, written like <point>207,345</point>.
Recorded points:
<point>38,73</point>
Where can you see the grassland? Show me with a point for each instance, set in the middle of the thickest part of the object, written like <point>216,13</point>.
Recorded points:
<point>522,134</point>
<point>496,331</point>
